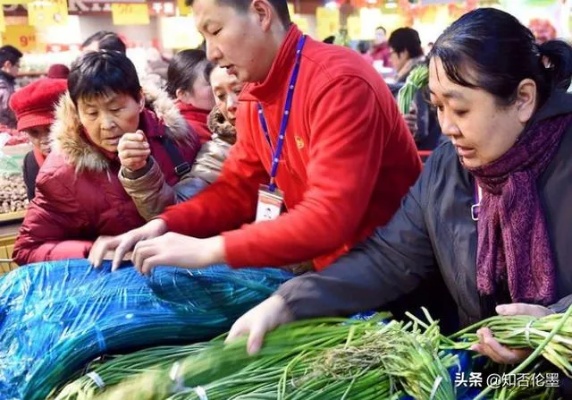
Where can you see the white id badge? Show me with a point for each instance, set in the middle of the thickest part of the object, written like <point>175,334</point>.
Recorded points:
<point>269,204</point>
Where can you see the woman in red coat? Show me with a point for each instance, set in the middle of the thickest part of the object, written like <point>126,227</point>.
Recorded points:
<point>79,194</point>
<point>187,83</point>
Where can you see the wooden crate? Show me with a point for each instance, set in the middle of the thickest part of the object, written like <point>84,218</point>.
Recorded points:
<point>6,249</point>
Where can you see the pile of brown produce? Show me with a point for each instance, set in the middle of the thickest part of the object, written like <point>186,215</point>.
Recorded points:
<point>13,194</point>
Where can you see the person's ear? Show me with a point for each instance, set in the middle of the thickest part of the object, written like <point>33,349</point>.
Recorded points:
<point>526,100</point>
<point>184,96</point>
<point>141,101</point>
<point>264,13</point>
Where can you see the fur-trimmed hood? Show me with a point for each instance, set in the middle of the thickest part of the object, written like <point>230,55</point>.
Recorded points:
<point>69,140</point>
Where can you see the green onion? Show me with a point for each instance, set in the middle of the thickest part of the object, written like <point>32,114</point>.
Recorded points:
<point>417,79</point>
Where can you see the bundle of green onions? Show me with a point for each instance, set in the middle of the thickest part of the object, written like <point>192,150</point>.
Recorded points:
<point>549,336</point>
<point>324,358</point>
<point>114,371</point>
<point>417,79</point>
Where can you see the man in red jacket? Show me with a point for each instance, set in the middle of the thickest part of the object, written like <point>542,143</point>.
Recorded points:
<point>318,131</point>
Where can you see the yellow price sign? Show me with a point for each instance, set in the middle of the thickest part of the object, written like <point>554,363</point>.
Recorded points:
<point>327,22</point>
<point>130,14</point>
<point>184,9</point>
<point>354,27</point>
<point>301,22</point>
<point>48,13</point>
<point>23,37</point>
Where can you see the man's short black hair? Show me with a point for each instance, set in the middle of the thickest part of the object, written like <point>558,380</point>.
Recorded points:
<point>100,73</point>
<point>9,53</point>
<point>281,7</point>
<point>106,41</point>
<point>381,28</point>
<point>403,39</point>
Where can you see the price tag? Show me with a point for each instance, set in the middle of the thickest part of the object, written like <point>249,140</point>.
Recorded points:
<point>184,9</point>
<point>130,14</point>
<point>23,37</point>
<point>48,13</point>
<point>327,22</point>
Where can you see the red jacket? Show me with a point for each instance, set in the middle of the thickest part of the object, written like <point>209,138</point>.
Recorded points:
<point>197,119</point>
<point>347,161</point>
<point>381,52</point>
<point>78,193</point>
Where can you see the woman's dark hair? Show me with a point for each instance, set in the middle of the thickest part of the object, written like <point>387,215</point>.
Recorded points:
<point>99,73</point>
<point>490,49</point>
<point>406,39</point>
<point>106,41</point>
<point>184,69</point>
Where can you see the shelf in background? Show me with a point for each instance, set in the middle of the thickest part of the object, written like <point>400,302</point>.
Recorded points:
<point>12,216</point>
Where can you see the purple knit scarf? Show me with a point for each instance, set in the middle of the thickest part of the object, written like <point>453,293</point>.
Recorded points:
<point>513,243</point>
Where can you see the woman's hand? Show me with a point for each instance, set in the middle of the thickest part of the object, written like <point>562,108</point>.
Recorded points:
<point>133,151</point>
<point>490,347</point>
<point>260,320</point>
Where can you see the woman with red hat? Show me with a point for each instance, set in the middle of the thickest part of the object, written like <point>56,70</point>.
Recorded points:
<point>33,106</point>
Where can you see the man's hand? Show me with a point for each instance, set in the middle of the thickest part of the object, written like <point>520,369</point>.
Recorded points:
<point>260,320</point>
<point>177,250</point>
<point>117,247</point>
<point>500,354</point>
<point>133,150</point>
<point>411,119</point>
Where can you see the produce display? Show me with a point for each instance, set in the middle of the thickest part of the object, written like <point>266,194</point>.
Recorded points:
<point>13,196</point>
<point>13,193</point>
<point>56,317</point>
<point>333,358</point>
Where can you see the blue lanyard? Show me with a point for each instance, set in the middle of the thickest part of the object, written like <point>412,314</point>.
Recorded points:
<point>285,116</point>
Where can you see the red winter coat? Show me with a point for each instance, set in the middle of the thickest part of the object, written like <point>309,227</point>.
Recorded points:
<point>78,193</point>
<point>347,161</point>
<point>197,119</point>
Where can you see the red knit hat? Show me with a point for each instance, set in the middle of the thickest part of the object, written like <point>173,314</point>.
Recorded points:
<point>34,104</point>
<point>58,71</point>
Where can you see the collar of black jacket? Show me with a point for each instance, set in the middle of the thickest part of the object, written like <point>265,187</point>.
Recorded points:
<point>560,102</point>
<point>7,77</point>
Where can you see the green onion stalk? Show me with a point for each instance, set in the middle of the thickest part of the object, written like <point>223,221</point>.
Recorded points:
<point>416,80</point>
<point>230,362</point>
<point>323,358</point>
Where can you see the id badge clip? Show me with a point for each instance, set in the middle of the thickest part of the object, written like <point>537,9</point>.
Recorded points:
<point>269,204</point>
